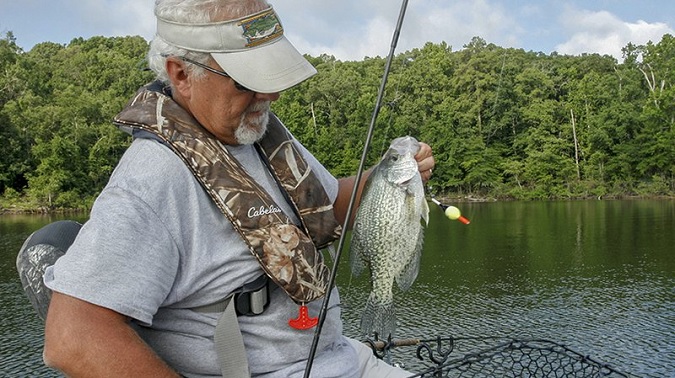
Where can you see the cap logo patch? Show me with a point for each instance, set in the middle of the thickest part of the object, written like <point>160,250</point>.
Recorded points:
<point>261,28</point>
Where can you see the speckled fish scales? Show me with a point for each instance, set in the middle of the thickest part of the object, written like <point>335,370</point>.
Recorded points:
<point>388,233</point>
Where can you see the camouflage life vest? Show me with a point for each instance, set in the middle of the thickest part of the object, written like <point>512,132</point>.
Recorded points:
<point>287,253</point>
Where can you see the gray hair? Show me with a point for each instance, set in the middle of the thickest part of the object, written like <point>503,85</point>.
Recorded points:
<point>193,11</point>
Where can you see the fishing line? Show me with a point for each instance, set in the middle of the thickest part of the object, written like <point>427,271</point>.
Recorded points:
<point>497,97</point>
<point>391,105</point>
<point>352,199</point>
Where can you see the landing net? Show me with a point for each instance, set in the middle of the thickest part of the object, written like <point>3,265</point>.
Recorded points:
<point>495,357</point>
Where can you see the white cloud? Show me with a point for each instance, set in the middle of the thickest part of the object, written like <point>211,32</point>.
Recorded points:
<point>352,29</point>
<point>117,18</point>
<point>137,16</point>
<point>604,33</point>
<point>642,31</point>
<point>458,21</point>
<point>370,38</point>
<point>361,28</point>
<point>348,30</point>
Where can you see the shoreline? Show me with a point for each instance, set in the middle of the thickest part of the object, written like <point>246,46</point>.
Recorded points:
<point>17,210</point>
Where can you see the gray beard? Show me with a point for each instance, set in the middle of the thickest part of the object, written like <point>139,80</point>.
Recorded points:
<point>249,133</point>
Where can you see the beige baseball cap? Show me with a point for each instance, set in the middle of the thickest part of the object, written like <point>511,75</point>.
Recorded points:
<point>252,50</point>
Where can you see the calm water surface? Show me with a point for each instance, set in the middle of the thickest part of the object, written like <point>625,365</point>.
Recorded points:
<point>597,276</point>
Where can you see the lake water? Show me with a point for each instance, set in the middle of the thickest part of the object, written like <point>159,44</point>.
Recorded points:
<point>596,276</point>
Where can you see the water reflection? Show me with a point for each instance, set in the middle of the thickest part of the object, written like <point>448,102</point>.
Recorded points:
<point>22,331</point>
<point>597,276</point>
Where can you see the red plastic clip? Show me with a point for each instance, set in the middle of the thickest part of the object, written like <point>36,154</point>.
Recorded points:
<point>303,321</point>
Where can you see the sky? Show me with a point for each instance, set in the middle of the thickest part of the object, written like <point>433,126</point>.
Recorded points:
<point>354,29</point>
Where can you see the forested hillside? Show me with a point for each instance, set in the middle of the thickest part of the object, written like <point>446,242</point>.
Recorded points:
<point>503,122</point>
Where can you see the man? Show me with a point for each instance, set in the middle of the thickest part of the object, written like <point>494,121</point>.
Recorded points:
<point>212,197</point>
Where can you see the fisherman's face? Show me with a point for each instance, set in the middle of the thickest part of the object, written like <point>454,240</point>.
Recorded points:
<point>232,115</point>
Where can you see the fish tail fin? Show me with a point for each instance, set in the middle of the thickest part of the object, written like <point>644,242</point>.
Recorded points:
<point>378,316</point>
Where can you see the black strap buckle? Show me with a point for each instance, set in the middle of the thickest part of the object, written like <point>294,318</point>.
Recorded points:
<point>252,298</point>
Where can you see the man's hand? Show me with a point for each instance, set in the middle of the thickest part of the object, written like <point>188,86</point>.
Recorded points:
<point>425,161</point>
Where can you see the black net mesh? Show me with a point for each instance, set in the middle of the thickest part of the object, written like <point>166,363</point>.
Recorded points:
<point>496,357</point>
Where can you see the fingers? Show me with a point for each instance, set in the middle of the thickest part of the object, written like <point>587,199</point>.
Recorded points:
<point>425,161</point>
<point>426,175</point>
<point>425,158</point>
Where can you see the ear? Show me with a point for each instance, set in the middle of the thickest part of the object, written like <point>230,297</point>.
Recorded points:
<point>178,75</point>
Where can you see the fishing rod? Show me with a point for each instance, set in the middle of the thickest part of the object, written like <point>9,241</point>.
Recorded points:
<point>352,199</point>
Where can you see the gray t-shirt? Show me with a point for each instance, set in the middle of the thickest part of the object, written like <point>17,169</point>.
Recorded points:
<point>156,246</point>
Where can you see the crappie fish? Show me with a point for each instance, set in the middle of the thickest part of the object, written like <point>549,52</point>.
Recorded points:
<point>388,234</point>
